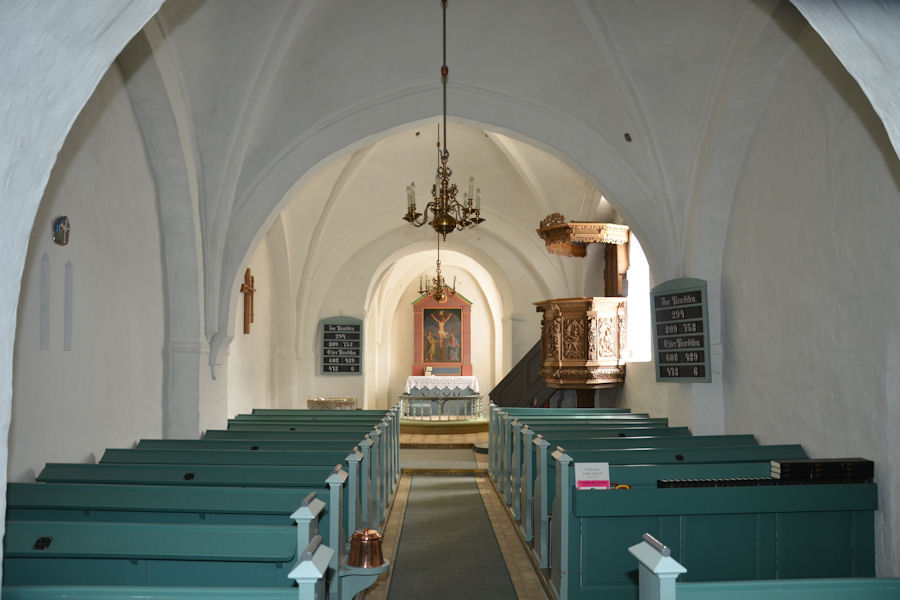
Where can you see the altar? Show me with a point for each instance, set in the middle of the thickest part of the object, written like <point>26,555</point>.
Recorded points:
<point>441,398</point>
<point>444,385</point>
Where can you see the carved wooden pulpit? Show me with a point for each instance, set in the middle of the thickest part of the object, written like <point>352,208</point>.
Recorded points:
<point>582,340</point>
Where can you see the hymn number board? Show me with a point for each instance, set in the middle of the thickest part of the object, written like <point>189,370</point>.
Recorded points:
<point>341,346</point>
<point>681,330</point>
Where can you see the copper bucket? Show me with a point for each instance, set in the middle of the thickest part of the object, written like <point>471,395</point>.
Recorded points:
<point>365,549</point>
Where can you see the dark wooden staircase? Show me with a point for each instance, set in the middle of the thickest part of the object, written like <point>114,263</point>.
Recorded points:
<point>523,385</point>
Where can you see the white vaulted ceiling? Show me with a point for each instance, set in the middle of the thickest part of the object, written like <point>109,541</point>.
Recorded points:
<point>314,107</point>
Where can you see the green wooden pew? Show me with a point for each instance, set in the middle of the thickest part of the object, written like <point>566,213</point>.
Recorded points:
<point>361,474</point>
<point>314,477</point>
<point>268,445</point>
<point>338,416</point>
<point>770,523</point>
<point>161,503</point>
<point>524,473</point>
<point>384,466</point>
<point>208,444</point>
<point>503,431</point>
<point>495,414</point>
<point>314,444</point>
<point>140,561</point>
<point>289,411</point>
<point>309,433</point>
<point>171,504</point>
<point>526,410</point>
<point>97,553</point>
<point>634,442</point>
<point>301,412</point>
<point>862,588</point>
<point>658,570</point>
<point>502,428</point>
<point>688,454</point>
<point>509,440</point>
<point>730,458</point>
<point>666,456</point>
<point>339,493</point>
<point>525,452</point>
<point>300,427</point>
<point>315,417</point>
<point>386,443</point>
<point>195,475</point>
<point>389,434</point>
<point>306,457</point>
<point>636,475</point>
<point>387,420</point>
<point>108,592</point>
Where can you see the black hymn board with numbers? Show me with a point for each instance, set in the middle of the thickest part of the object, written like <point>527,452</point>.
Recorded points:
<point>681,330</point>
<point>341,346</point>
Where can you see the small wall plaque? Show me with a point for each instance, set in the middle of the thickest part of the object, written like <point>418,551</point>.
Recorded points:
<point>681,330</point>
<point>60,230</point>
<point>341,339</point>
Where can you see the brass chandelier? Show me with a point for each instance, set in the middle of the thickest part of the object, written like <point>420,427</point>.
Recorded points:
<point>445,213</point>
<point>436,287</point>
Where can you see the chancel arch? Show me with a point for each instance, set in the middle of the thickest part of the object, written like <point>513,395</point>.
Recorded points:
<point>390,327</point>
<point>343,250</point>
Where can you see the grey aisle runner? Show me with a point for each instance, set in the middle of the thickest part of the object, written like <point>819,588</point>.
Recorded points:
<point>447,546</point>
<point>439,458</point>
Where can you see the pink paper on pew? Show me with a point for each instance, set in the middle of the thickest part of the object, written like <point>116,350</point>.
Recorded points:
<point>592,476</point>
<point>592,484</point>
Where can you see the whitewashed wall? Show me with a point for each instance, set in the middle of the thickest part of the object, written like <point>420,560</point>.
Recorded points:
<point>68,405</point>
<point>810,271</point>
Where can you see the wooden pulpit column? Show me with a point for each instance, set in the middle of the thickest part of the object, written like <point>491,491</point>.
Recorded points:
<point>248,289</point>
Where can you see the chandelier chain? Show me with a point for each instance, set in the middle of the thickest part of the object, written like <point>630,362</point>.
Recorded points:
<point>445,213</point>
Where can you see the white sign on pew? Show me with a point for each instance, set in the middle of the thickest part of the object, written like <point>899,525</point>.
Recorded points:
<point>592,476</point>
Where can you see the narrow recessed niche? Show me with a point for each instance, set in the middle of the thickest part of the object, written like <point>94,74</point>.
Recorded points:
<point>67,309</point>
<point>45,302</point>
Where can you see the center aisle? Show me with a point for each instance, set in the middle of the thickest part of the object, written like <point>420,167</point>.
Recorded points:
<point>447,546</point>
<point>449,535</point>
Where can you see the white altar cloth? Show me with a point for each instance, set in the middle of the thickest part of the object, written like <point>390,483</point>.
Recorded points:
<point>441,382</point>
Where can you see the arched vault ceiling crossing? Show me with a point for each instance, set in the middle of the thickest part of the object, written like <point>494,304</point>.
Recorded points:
<point>272,94</point>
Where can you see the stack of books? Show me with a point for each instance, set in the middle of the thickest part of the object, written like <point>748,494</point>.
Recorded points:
<point>824,470</point>
<point>719,482</point>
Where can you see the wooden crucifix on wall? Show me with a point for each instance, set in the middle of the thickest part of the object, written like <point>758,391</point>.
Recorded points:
<point>248,289</point>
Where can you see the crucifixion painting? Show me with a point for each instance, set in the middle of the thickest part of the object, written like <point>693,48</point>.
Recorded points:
<point>442,334</point>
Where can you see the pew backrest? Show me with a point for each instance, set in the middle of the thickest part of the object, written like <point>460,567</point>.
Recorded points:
<point>93,553</point>
<point>307,457</point>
